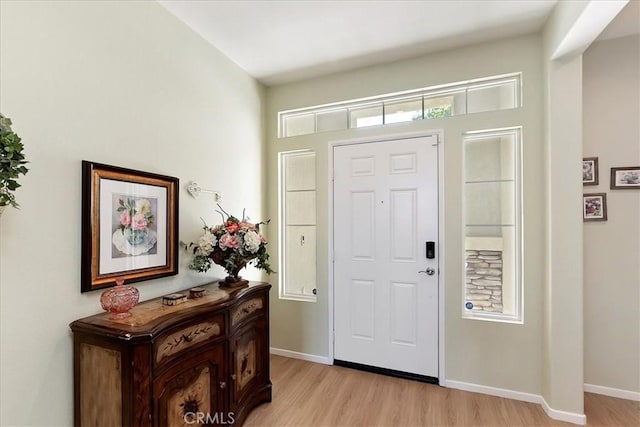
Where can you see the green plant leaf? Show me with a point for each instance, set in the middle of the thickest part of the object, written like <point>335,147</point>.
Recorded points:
<point>12,162</point>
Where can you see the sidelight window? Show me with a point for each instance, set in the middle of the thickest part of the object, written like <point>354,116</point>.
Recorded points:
<point>297,225</point>
<point>492,288</point>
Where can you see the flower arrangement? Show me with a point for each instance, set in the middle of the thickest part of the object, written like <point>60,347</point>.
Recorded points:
<point>232,245</point>
<point>136,217</point>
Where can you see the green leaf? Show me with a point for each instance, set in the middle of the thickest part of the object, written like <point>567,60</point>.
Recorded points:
<point>12,162</point>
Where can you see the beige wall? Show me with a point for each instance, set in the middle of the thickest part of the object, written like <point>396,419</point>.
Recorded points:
<point>563,357</point>
<point>563,42</point>
<point>122,83</point>
<point>612,249</point>
<point>478,352</point>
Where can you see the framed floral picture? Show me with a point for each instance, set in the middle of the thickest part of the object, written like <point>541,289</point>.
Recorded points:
<point>594,207</point>
<point>590,171</point>
<point>129,225</point>
<point>627,178</point>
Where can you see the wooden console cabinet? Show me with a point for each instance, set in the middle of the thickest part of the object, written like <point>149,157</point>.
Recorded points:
<point>205,361</point>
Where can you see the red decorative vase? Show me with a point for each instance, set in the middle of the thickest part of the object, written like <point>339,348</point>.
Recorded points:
<point>118,300</point>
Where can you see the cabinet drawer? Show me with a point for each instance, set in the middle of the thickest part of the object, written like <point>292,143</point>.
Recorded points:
<point>174,342</point>
<point>255,305</point>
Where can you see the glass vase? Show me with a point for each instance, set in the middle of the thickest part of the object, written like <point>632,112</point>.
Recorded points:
<point>118,300</point>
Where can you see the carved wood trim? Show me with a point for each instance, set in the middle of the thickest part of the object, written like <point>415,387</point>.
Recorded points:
<point>186,395</point>
<point>245,309</point>
<point>185,338</point>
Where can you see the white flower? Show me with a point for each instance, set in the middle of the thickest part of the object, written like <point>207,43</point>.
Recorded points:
<point>143,206</point>
<point>205,244</point>
<point>252,241</point>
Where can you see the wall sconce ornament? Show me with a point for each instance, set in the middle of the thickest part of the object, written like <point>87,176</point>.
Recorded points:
<point>194,189</point>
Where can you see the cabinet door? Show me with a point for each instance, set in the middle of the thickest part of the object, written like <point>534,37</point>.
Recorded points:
<point>192,392</point>
<point>249,362</point>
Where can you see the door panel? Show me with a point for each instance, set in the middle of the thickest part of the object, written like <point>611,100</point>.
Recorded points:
<point>247,362</point>
<point>404,313</point>
<point>385,209</point>
<point>363,313</point>
<point>403,225</point>
<point>191,388</point>
<point>362,237</point>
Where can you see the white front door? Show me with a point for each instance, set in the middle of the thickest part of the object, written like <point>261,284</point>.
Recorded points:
<point>385,210</point>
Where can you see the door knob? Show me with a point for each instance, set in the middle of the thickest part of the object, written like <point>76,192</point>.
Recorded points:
<point>430,271</point>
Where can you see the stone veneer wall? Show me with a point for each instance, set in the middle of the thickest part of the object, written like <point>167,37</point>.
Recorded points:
<point>484,280</point>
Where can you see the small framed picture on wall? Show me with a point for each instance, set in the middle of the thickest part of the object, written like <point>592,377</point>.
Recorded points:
<point>594,207</point>
<point>626,178</point>
<point>590,171</point>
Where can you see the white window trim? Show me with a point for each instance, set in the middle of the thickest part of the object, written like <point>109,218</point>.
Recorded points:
<point>282,227</point>
<point>518,316</point>
<point>425,93</point>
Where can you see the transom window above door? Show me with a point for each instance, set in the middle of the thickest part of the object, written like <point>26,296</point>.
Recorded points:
<point>452,99</point>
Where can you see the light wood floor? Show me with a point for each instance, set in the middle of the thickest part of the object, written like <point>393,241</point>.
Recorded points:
<point>311,394</point>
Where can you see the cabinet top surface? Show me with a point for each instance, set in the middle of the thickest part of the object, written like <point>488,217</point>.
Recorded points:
<point>150,315</point>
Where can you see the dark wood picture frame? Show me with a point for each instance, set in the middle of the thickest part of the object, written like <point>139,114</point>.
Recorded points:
<point>594,207</point>
<point>625,178</point>
<point>129,225</point>
<point>590,172</point>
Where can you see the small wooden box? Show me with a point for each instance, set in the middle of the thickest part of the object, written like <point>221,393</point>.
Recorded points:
<point>174,299</point>
<point>196,292</point>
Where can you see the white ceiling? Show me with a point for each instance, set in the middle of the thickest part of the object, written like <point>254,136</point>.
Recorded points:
<point>626,23</point>
<point>278,41</point>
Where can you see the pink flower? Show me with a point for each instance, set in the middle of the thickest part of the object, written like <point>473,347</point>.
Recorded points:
<point>228,241</point>
<point>125,218</point>
<point>232,227</point>
<point>263,239</point>
<point>247,225</point>
<point>139,222</point>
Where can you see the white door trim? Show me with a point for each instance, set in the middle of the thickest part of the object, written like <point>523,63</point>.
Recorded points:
<point>441,236</point>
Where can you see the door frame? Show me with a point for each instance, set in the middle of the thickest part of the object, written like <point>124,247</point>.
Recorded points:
<point>439,133</point>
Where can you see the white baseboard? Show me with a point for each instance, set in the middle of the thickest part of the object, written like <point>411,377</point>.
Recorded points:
<point>612,392</point>
<point>493,391</point>
<point>301,356</point>
<point>570,417</point>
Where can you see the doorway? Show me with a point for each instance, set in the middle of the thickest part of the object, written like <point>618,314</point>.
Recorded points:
<point>386,250</point>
